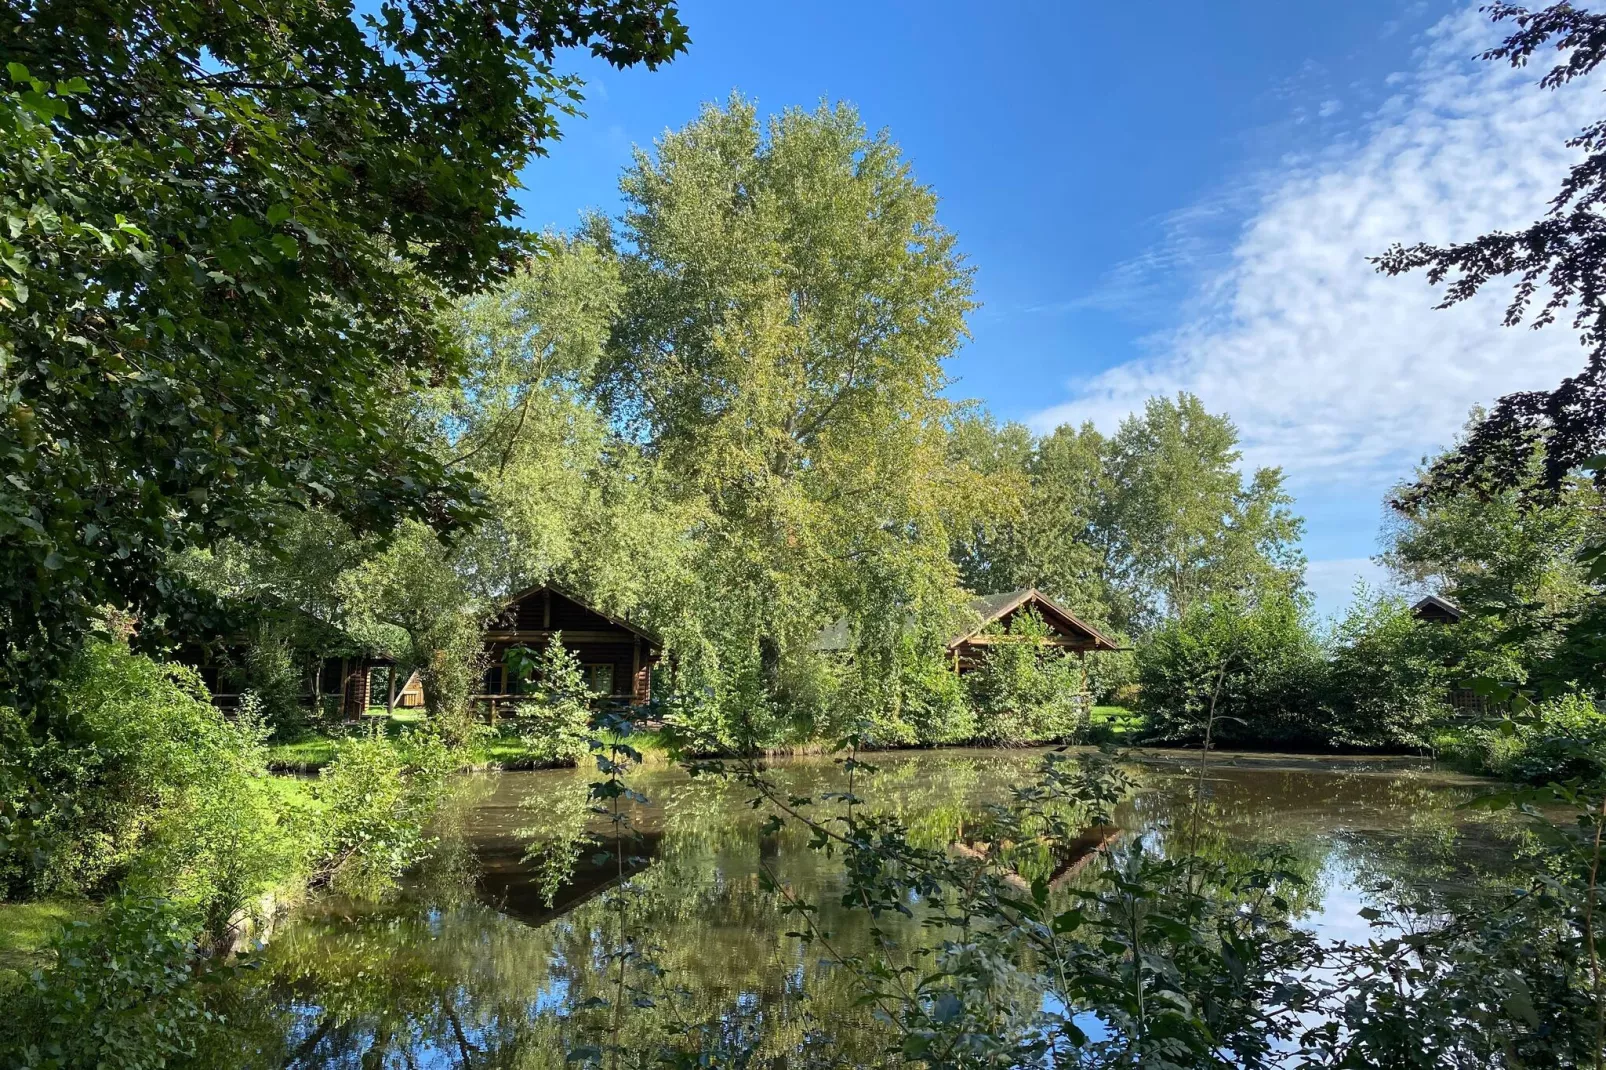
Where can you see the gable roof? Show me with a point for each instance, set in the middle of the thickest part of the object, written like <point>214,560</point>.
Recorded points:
<point>991,608</point>
<point>1432,604</point>
<point>563,592</point>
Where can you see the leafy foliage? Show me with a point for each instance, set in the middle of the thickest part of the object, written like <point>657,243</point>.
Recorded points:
<point>130,991</point>
<point>1024,692</point>
<point>1388,676</point>
<point>141,759</point>
<point>374,803</point>
<point>554,721</point>
<point>1560,739</point>
<point>229,236</point>
<point>1245,674</point>
<point>1556,263</point>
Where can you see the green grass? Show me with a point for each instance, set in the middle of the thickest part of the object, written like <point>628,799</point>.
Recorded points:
<point>26,930</point>
<point>1117,721</point>
<point>305,755</point>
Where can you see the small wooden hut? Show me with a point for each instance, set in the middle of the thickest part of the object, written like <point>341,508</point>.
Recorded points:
<point>1065,629</point>
<point>968,645</point>
<point>617,655</point>
<point>1436,610</point>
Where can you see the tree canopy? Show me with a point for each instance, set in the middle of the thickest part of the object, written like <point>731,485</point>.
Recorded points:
<point>229,236</point>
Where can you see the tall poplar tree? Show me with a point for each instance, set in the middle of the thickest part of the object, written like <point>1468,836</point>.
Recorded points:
<point>790,300</point>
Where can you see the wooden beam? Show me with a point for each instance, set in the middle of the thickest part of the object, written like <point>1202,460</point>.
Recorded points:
<point>989,640</point>
<point>541,635</point>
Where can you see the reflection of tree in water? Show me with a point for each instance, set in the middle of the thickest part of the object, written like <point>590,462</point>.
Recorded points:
<point>436,977</point>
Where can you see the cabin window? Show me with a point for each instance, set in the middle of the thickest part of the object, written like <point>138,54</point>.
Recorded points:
<point>599,678</point>
<point>493,680</point>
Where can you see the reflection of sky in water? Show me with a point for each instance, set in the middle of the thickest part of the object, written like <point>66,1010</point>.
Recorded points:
<point>723,938</point>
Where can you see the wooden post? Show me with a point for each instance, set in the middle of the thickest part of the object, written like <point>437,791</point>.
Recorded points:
<point>1087,700</point>
<point>546,610</point>
<point>635,669</point>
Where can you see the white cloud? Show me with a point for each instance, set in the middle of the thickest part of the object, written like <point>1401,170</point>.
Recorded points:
<point>1341,375</point>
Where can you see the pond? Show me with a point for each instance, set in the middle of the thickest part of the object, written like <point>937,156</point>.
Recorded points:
<point>488,955</point>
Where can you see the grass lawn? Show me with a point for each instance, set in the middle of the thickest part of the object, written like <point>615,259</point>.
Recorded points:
<point>26,930</point>
<point>1116,720</point>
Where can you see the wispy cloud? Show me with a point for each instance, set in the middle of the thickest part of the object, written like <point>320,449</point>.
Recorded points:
<point>1331,370</point>
<point>1332,582</point>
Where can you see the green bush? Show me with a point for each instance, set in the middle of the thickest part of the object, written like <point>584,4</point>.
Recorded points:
<point>271,675</point>
<point>936,704</point>
<point>1262,665</point>
<point>128,991</point>
<point>375,802</point>
<point>1386,680</point>
<point>135,773</point>
<point>227,837</point>
<point>1024,692</point>
<point>1560,739</point>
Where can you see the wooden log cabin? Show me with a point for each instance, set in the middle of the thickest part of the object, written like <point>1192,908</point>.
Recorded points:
<point>617,655</point>
<point>991,614</point>
<point>994,612</point>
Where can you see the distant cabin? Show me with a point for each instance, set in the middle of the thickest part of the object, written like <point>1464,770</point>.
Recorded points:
<point>1065,629</point>
<point>616,655</point>
<point>968,645</point>
<point>350,683</point>
<point>1436,610</point>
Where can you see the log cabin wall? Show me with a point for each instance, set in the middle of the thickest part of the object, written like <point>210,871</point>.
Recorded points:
<point>617,657</point>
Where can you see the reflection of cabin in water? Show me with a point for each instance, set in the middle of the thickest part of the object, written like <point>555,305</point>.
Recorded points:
<point>616,655</point>
<point>988,624</point>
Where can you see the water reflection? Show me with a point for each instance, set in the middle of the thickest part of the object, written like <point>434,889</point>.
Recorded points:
<point>484,962</point>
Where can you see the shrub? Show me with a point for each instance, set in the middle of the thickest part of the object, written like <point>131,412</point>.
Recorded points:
<point>1263,658</point>
<point>554,722</point>
<point>375,802</point>
<point>935,702</point>
<point>1562,739</point>
<point>271,675</point>
<point>124,776</point>
<point>1386,680</point>
<point>226,838</point>
<point>1024,692</point>
<point>1112,677</point>
<point>128,991</point>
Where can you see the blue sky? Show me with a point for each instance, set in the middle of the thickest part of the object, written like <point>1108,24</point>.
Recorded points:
<point>1169,196</point>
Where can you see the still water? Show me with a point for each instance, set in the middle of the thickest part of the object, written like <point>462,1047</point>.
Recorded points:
<point>489,956</point>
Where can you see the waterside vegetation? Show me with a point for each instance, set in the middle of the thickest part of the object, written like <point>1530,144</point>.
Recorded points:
<point>281,381</point>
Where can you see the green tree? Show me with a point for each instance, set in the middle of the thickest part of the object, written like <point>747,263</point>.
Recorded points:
<point>1183,523</point>
<point>789,300</point>
<point>1514,556</point>
<point>229,235</point>
<point>1388,675</point>
<point>1045,529</point>
<point>1558,271</point>
<point>411,598</point>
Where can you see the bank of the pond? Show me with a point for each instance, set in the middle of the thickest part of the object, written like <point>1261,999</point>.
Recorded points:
<point>1116,725</point>
<point>311,751</point>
